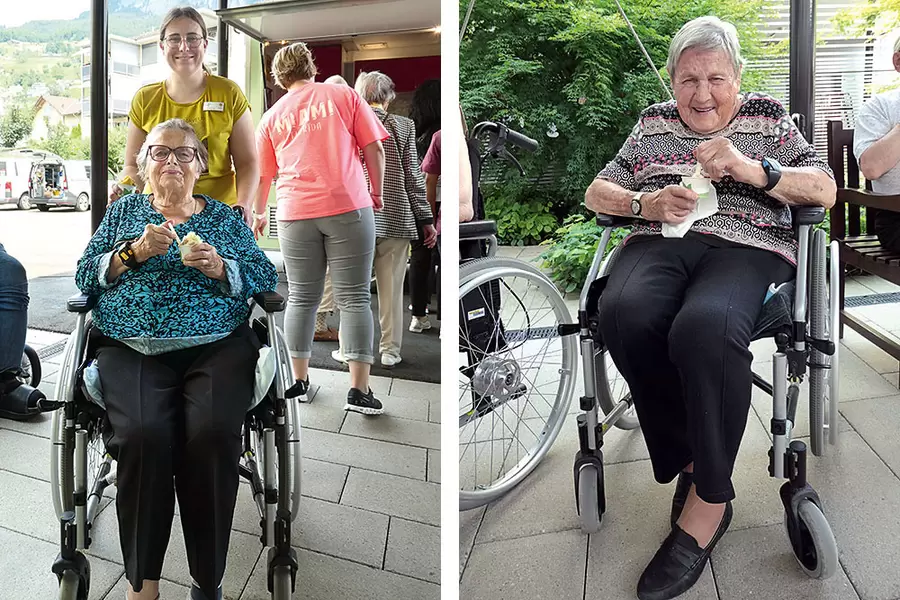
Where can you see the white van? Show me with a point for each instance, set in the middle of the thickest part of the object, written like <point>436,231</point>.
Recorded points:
<point>57,182</point>
<point>15,169</point>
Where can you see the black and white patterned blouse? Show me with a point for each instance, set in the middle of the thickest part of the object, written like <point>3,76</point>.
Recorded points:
<point>405,205</point>
<point>659,151</point>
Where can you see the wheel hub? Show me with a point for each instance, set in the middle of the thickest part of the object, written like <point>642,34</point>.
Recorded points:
<point>497,377</point>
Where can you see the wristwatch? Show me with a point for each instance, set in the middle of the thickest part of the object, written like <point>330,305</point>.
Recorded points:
<point>773,172</point>
<point>126,254</point>
<point>636,205</point>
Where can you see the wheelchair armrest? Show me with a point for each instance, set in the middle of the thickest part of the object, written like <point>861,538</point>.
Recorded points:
<point>80,303</point>
<point>477,230</point>
<point>269,301</point>
<point>614,221</point>
<point>809,215</point>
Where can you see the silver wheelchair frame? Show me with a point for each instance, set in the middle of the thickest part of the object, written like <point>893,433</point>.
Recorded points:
<point>807,344</point>
<point>271,462</point>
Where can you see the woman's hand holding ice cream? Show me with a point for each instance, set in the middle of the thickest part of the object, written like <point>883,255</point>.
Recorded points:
<point>204,258</point>
<point>719,158</point>
<point>155,241</point>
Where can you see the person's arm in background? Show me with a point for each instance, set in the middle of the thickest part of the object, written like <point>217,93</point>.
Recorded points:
<point>431,166</point>
<point>431,186</point>
<point>374,156</point>
<point>268,168</point>
<point>246,166</point>
<point>876,140</point>
<point>466,210</point>
<point>134,139</point>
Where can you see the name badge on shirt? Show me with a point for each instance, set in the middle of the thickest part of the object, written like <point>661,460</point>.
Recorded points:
<point>216,106</point>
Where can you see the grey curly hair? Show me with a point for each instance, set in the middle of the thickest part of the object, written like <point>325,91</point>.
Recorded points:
<point>190,137</point>
<point>705,33</point>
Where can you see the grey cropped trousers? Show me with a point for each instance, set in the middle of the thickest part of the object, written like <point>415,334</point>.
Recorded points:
<point>346,244</point>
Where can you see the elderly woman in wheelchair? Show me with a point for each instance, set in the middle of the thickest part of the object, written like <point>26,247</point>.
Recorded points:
<point>176,358</point>
<point>688,285</point>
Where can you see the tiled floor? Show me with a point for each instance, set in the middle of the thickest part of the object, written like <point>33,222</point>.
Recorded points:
<point>368,525</point>
<point>528,544</point>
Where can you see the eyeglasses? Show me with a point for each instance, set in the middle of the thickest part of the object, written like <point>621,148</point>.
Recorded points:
<point>193,40</point>
<point>183,154</point>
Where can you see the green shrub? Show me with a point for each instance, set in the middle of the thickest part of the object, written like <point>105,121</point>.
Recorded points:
<point>520,222</point>
<point>570,252</point>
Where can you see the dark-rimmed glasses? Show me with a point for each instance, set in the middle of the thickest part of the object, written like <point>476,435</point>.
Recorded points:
<point>183,154</point>
<point>174,41</point>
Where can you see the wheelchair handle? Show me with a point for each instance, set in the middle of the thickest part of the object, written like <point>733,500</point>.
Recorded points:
<point>500,134</point>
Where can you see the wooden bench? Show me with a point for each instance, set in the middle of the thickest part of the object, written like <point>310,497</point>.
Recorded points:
<point>859,250</point>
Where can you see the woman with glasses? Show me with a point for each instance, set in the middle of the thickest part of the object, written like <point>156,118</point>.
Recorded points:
<point>176,358</point>
<point>214,106</point>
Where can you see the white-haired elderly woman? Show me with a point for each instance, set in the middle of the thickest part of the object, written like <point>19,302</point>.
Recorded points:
<point>176,358</point>
<point>405,211</point>
<point>678,312</point>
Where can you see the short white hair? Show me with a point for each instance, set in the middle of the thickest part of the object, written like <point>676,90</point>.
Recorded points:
<point>375,87</point>
<point>190,137</point>
<point>705,33</point>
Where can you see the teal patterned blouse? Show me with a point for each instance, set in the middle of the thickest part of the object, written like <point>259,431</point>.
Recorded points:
<point>165,305</point>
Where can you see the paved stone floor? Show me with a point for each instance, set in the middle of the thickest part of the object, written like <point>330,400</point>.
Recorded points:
<point>528,544</point>
<point>368,525</point>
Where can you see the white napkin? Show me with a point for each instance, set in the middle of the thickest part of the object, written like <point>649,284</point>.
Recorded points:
<point>707,206</point>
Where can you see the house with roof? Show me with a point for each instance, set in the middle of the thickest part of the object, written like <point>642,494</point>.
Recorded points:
<point>51,110</point>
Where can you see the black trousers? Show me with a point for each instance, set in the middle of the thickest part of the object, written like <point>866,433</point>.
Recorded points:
<point>421,269</point>
<point>175,421</point>
<point>676,316</point>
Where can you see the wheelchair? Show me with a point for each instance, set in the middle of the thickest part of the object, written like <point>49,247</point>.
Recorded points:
<point>82,469</point>
<point>518,368</point>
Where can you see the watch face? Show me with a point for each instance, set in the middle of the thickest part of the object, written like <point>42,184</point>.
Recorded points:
<point>635,207</point>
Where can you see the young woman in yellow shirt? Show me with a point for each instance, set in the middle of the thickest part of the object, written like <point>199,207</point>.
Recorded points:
<point>214,106</point>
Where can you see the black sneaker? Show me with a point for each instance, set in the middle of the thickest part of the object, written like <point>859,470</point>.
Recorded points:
<point>298,390</point>
<point>366,404</point>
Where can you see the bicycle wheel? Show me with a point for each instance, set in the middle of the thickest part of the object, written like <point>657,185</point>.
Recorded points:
<point>516,375</point>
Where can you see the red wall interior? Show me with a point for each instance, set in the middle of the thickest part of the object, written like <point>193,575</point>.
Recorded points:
<point>328,61</point>
<point>407,73</point>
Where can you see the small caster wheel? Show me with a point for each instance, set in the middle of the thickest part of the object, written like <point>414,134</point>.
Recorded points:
<point>589,492</point>
<point>70,587</point>
<point>813,543</point>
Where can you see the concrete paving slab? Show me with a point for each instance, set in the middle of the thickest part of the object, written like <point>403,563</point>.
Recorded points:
<point>418,501</point>
<point>38,426</point>
<point>342,531</point>
<point>323,577</point>
<point>875,420</point>
<point>434,409</point>
<point>892,378</point>
<point>394,429</point>
<point>875,357</point>
<point>25,454</point>
<point>37,338</point>
<point>434,466</point>
<point>542,566</point>
<point>886,316</point>
<point>852,288</point>
<point>319,415</point>
<point>877,284</point>
<point>759,563</point>
<point>375,455</point>
<point>29,576</point>
<point>396,406</point>
<point>338,382</point>
<point>407,388</point>
<point>414,549</point>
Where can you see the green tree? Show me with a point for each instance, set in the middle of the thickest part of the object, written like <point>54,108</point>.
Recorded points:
<point>58,141</point>
<point>15,125</point>
<point>570,75</point>
<point>116,136</point>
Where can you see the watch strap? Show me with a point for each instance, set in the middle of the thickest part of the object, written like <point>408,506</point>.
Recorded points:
<point>126,254</point>
<point>773,172</point>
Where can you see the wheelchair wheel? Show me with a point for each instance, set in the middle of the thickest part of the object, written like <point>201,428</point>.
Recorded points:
<point>615,388</point>
<point>69,587</point>
<point>30,370</point>
<point>516,375</point>
<point>589,489</point>
<point>815,550</point>
<point>281,583</point>
<point>99,464</point>
<point>823,368</point>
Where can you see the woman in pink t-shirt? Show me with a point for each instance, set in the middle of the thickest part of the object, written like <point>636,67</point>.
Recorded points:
<point>310,139</point>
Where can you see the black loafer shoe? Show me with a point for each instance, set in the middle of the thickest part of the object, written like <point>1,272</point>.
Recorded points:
<point>685,480</point>
<point>678,563</point>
